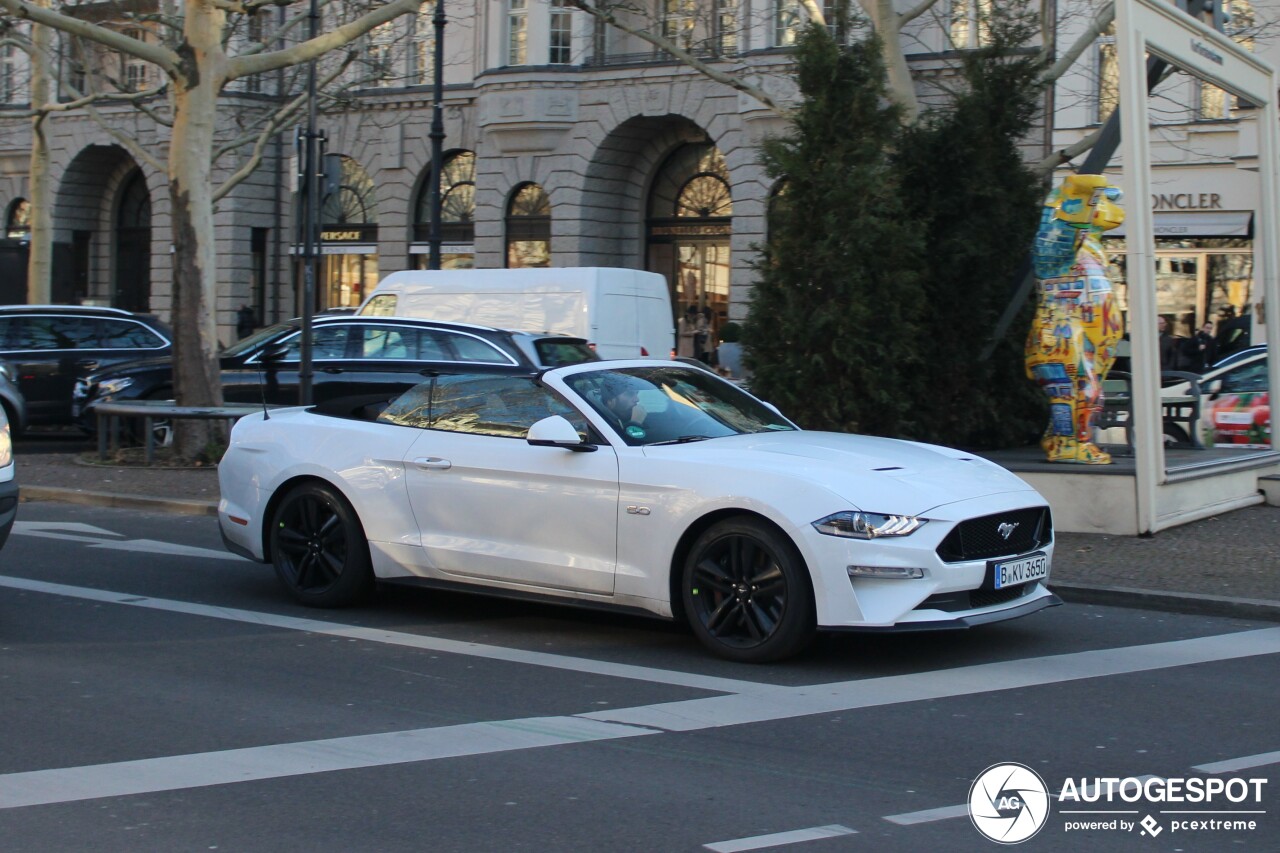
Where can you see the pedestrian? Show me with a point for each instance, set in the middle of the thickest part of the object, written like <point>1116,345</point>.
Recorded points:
<point>1200,351</point>
<point>685,331</point>
<point>1168,345</point>
<point>702,336</point>
<point>245,321</point>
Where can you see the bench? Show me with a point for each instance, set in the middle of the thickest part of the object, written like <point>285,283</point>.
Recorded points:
<point>109,415</point>
<point>1180,414</point>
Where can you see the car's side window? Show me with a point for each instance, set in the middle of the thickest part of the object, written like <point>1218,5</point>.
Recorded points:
<point>1250,377</point>
<point>6,324</point>
<point>470,348</point>
<point>383,342</point>
<point>504,406</point>
<point>326,342</point>
<point>52,332</point>
<point>126,334</point>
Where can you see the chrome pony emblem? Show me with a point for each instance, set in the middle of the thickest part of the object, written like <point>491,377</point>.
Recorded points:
<point>1006,529</point>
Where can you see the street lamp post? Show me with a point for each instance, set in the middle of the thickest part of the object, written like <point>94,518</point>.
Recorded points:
<point>311,216</point>
<point>437,138</point>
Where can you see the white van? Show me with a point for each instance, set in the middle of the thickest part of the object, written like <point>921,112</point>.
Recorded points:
<point>623,313</point>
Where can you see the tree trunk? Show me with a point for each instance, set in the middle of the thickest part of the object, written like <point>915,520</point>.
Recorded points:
<point>40,251</point>
<point>196,377</point>
<point>902,88</point>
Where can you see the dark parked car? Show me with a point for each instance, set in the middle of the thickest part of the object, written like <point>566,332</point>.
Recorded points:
<point>351,355</point>
<point>11,399</point>
<point>8,484</point>
<point>49,346</point>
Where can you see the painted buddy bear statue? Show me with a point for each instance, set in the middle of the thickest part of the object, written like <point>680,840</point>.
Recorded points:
<point>1077,324</point>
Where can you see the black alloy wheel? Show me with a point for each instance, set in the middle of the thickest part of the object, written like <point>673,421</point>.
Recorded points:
<point>747,593</point>
<point>319,549</point>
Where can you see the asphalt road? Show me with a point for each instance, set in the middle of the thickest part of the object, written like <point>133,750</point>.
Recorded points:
<point>159,694</point>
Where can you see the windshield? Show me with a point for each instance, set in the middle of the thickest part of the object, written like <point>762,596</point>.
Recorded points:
<point>253,341</point>
<point>670,405</point>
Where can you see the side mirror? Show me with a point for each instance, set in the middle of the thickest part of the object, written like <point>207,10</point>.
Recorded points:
<point>1213,389</point>
<point>273,353</point>
<point>556,431</point>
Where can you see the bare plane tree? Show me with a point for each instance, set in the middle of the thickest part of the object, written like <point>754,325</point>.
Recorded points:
<point>193,48</point>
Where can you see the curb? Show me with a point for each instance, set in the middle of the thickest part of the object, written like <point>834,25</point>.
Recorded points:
<point>178,506</point>
<point>1170,602</point>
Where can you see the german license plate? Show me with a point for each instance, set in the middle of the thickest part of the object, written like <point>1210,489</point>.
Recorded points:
<point>1008,573</point>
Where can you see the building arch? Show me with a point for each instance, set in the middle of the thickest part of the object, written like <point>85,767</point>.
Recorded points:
<point>348,236</point>
<point>103,251</point>
<point>457,213</point>
<point>689,228</point>
<point>528,227</point>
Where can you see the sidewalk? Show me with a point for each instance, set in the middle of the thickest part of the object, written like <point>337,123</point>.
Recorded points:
<point>1225,565</point>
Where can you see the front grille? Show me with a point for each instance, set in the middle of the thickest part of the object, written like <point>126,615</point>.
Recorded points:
<point>953,602</point>
<point>981,539</point>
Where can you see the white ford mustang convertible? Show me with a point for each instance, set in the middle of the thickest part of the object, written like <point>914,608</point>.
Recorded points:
<point>646,486</point>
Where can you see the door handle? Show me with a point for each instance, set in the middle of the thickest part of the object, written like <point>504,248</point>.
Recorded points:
<point>88,364</point>
<point>432,463</point>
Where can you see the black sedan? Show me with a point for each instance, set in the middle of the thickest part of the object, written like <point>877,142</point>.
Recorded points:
<point>351,355</point>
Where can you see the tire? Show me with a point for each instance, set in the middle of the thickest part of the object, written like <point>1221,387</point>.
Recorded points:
<point>746,592</point>
<point>319,549</point>
<point>134,432</point>
<point>1176,436</point>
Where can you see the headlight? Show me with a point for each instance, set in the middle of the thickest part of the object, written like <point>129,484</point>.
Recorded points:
<point>854,524</point>
<point>108,387</point>
<point>6,443</point>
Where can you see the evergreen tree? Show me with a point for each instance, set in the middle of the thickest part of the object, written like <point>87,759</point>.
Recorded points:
<point>833,331</point>
<point>967,182</point>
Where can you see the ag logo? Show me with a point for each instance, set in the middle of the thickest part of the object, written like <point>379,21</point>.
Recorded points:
<point>1008,803</point>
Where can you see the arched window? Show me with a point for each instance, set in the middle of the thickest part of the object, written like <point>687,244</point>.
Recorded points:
<point>352,203</point>
<point>457,214</point>
<point>529,228</point>
<point>18,221</point>
<point>690,226</point>
<point>349,232</point>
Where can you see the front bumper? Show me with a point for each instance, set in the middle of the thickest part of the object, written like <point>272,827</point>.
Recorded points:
<point>951,594</point>
<point>8,507</point>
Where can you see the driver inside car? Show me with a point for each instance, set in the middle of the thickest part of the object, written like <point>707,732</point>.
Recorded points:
<point>621,398</point>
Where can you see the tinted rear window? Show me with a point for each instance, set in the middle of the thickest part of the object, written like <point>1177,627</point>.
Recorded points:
<point>555,353</point>
<point>126,334</point>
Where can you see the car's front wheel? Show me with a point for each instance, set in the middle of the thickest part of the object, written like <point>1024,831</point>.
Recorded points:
<point>319,549</point>
<point>746,592</point>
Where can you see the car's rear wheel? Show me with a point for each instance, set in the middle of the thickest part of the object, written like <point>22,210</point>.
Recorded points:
<point>747,593</point>
<point>319,548</point>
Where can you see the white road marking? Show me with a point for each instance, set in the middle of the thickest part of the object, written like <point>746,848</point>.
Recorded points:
<point>780,704</point>
<point>89,535</point>
<point>179,772</point>
<point>756,703</point>
<point>778,839</point>
<point>1246,763</point>
<point>928,815</point>
<point>153,546</point>
<point>397,638</point>
<point>32,528</point>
